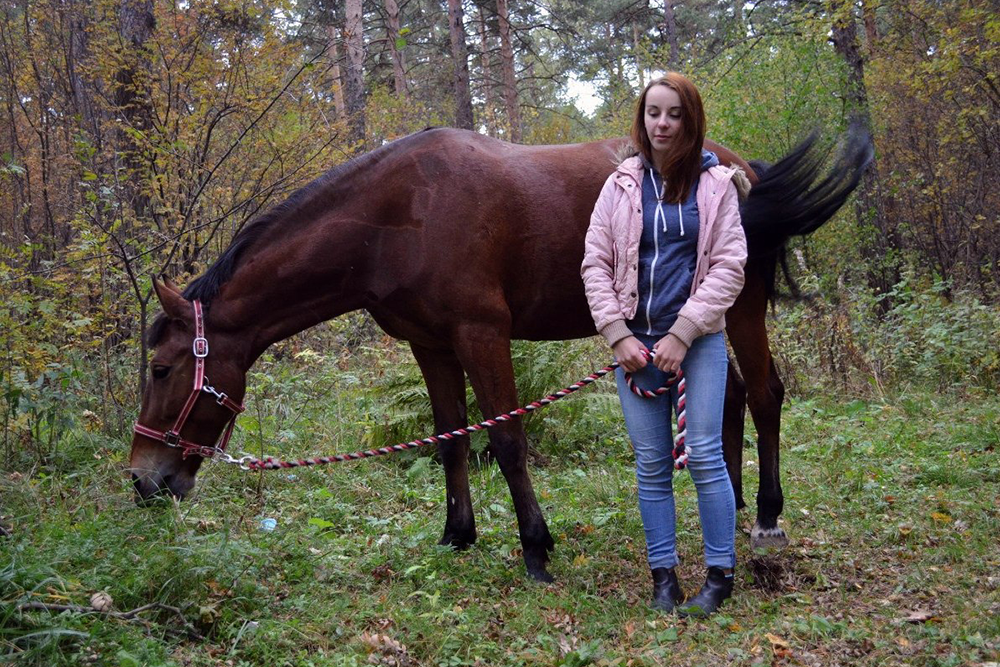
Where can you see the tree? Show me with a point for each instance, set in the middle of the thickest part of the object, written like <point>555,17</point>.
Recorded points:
<point>883,242</point>
<point>396,43</point>
<point>354,88</point>
<point>508,68</point>
<point>460,56</point>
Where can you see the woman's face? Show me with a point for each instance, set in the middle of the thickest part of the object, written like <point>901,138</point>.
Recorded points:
<point>663,118</point>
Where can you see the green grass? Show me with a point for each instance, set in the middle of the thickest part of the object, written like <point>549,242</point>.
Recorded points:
<point>891,507</point>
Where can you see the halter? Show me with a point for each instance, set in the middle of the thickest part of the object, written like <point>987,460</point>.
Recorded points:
<point>172,438</point>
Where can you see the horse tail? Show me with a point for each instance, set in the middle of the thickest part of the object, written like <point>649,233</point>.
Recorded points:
<point>793,198</point>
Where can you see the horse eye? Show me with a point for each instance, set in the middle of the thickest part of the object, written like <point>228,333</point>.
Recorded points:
<point>160,372</point>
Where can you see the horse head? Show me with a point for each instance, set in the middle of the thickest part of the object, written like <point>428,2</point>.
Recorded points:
<point>191,401</point>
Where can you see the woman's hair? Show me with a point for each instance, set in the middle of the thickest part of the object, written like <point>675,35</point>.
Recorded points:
<point>681,164</point>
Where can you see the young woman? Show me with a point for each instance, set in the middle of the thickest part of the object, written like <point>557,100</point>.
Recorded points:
<point>663,262</point>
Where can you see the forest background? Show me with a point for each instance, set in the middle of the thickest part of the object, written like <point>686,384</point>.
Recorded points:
<point>137,137</point>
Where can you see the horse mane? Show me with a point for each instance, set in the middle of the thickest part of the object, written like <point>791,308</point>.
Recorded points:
<point>208,285</point>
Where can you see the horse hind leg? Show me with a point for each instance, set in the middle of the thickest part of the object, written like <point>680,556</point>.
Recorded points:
<point>766,532</point>
<point>733,416</point>
<point>764,398</point>
<point>446,387</point>
<point>765,392</point>
<point>485,354</point>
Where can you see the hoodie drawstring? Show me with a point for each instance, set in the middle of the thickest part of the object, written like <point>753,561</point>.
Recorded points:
<point>659,215</point>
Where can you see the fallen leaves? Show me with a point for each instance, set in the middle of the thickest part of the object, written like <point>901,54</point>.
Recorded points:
<point>779,646</point>
<point>384,650</point>
<point>921,616</point>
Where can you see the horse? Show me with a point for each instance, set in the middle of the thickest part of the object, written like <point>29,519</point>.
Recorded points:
<point>456,243</point>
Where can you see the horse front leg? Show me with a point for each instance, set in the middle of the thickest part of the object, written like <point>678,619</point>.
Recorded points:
<point>733,416</point>
<point>446,388</point>
<point>484,351</point>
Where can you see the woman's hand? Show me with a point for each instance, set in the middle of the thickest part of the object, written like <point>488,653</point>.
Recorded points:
<point>631,354</point>
<point>668,353</point>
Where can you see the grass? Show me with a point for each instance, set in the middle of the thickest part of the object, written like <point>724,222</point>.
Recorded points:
<point>891,506</point>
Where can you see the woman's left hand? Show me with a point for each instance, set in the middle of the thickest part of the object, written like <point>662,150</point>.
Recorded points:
<point>668,353</point>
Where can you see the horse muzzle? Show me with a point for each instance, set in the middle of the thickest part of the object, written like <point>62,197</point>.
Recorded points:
<point>152,487</point>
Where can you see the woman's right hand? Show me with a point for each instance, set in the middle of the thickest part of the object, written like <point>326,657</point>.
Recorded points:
<point>631,354</point>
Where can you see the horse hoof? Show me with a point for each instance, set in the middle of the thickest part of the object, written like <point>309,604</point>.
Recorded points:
<point>767,538</point>
<point>541,575</point>
<point>458,540</point>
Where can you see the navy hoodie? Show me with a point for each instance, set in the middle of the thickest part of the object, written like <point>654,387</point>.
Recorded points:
<point>668,251</point>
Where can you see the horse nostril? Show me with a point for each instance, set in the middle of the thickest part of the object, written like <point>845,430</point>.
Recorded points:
<point>147,489</point>
<point>170,486</point>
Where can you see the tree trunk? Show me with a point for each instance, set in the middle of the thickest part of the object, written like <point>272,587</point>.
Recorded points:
<point>460,55</point>
<point>883,272</point>
<point>81,89</point>
<point>509,79</point>
<point>871,28</point>
<point>130,92</point>
<point>392,24</point>
<point>670,30</point>
<point>133,106</point>
<point>484,45</point>
<point>354,90</point>
<point>338,79</point>
<point>635,55</point>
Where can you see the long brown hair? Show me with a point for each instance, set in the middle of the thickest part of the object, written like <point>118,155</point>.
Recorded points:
<point>681,164</point>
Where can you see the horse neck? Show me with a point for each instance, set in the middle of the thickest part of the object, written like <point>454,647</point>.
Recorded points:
<point>288,284</point>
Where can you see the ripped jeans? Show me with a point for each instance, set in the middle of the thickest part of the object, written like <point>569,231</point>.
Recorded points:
<point>650,429</point>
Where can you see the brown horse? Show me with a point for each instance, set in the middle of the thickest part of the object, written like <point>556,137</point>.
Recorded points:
<point>458,243</point>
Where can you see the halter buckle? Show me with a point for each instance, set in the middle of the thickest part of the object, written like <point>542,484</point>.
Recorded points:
<point>172,438</point>
<point>200,347</point>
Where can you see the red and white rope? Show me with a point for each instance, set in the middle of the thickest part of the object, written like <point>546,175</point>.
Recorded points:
<point>680,453</point>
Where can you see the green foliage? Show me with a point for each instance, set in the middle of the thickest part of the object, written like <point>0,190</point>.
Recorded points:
<point>933,336</point>
<point>761,101</point>
<point>234,112</point>
<point>351,573</point>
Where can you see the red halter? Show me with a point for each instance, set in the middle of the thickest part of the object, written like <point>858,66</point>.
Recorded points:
<point>172,438</point>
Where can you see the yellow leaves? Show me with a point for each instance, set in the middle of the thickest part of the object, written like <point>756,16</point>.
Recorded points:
<point>779,646</point>
<point>384,650</point>
<point>580,560</point>
<point>921,616</point>
<point>940,517</point>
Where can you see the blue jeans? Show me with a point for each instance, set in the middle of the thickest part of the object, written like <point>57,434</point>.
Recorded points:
<point>649,427</point>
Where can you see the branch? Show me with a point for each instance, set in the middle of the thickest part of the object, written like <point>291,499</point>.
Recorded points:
<point>133,615</point>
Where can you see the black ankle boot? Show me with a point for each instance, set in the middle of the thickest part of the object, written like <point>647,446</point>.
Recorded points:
<point>666,590</point>
<point>718,587</point>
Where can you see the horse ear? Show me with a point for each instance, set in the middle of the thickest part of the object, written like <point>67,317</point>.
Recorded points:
<point>174,305</point>
<point>170,285</point>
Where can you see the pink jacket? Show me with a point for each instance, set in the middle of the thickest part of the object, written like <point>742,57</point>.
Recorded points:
<point>611,255</point>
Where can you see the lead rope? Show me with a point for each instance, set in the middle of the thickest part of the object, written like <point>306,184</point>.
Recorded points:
<point>680,451</point>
